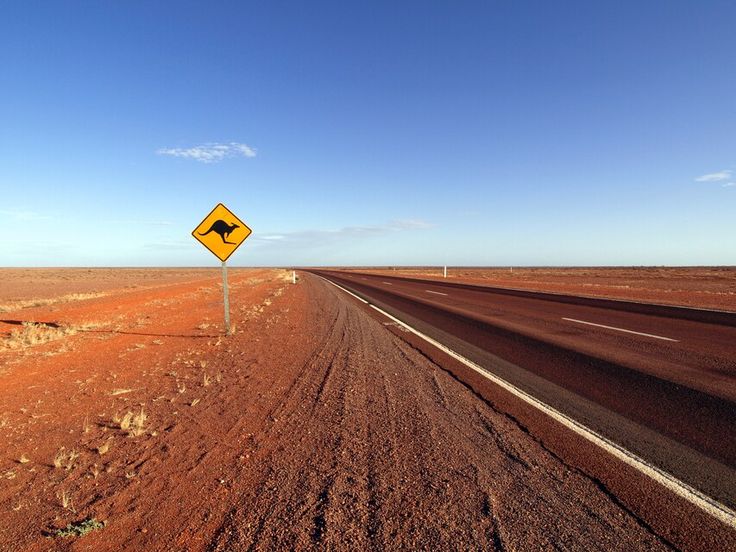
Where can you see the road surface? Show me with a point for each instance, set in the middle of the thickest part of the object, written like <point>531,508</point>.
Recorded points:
<point>656,381</point>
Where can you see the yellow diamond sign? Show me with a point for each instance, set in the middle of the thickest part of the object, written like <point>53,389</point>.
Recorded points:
<point>221,232</point>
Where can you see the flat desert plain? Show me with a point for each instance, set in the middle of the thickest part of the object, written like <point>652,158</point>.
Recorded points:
<point>699,287</point>
<point>128,421</point>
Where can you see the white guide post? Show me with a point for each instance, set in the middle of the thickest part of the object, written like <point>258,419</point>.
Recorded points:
<point>226,298</point>
<point>445,273</point>
<point>293,276</point>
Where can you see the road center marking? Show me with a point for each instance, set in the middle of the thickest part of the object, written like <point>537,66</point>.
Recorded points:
<point>621,330</point>
<point>707,504</point>
<point>435,292</point>
<point>387,283</point>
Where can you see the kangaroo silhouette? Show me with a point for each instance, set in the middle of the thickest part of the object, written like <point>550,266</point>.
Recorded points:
<point>222,228</point>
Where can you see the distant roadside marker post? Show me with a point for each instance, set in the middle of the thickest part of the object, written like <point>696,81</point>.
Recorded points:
<point>221,232</point>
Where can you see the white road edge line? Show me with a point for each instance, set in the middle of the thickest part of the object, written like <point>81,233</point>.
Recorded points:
<point>435,292</point>
<point>670,482</point>
<point>620,329</point>
<point>346,291</point>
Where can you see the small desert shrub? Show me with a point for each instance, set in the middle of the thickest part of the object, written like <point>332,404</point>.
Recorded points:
<point>23,459</point>
<point>80,528</point>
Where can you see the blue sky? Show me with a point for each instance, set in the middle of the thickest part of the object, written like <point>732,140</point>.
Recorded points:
<point>359,133</point>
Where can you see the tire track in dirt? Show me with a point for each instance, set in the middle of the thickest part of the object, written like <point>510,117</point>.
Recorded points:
<point>376,447</point>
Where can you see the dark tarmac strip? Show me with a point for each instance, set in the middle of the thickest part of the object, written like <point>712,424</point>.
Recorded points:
<point>656,383</point>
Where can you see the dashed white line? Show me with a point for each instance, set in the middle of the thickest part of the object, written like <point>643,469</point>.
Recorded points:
<point>707,504</point>
<point>387,283</point>
<point>435,292</point>
<point>621,329</point>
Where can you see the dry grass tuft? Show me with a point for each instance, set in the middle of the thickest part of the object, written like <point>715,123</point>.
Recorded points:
<point>125,421</point>
<point>205,380</point>
<point>23,459</point>
<point>66,500</point>
<point>104,447</point>
<point>115,392</point>
<point>31,334</point>
<point>194,402</point>
<point>133,424</point>
<point>29,303</point>
<point>137,426</point>
<point>64,459</point>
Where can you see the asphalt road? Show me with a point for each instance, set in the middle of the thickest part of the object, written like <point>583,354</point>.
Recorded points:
<point>659,381</point>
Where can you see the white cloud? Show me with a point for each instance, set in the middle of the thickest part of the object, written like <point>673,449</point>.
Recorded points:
<point>728,185</point>
<point>317,237</point>
<point>212,152</point>
<point>715,177</point>
<point>136,222</point>
<point>408,224</point>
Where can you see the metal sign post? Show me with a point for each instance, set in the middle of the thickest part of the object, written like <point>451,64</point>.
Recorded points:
<point>226,298</point>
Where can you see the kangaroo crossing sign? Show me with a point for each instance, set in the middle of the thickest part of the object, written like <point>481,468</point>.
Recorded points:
<point>221,232</point>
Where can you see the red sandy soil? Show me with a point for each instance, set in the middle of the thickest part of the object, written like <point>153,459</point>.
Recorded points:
<point>700,287</point>
<point>51,284</point>
<point>312,427</point>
